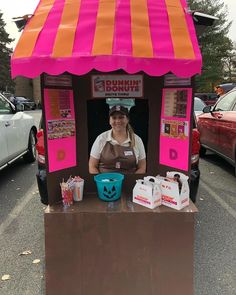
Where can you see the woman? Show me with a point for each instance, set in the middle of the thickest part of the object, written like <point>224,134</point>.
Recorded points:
<point>118,149</point>
<point>219,91</point>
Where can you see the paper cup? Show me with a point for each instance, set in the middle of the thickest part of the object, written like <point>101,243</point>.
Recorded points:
<point>78,191</point>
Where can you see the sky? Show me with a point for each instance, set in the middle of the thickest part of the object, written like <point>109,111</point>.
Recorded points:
<point>15,8</point>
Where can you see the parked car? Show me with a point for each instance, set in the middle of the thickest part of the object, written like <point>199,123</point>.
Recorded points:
<point>41,173</point>
<point>17,134</point>
<point>26,102</point>
<point>198,107</point>
<point>211,98</point>
<point>217,127</point>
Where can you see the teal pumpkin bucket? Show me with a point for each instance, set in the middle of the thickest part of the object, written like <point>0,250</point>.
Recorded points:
<point>109,185</point>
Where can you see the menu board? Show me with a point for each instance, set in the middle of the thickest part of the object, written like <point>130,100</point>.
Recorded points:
<point>175,104</point>
<point>60,128</point>
<point>175,122</point>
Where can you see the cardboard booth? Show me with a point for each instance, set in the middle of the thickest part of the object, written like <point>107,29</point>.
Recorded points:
<point>87,53</point>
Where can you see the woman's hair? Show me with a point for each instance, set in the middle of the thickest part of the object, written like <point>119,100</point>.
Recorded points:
<point>131,134</point>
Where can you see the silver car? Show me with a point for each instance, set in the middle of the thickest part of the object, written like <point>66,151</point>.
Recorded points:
<point>17,133</point>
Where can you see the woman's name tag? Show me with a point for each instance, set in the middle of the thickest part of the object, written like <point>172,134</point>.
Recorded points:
<point>117,165</point>
<point>128,153</point>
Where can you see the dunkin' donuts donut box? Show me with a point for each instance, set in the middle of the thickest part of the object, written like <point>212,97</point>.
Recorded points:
<point>147,192</point>
<point>174,190</point>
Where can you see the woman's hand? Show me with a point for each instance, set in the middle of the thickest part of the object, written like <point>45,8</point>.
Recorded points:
<point>93,165</point>
<point>141,167</point>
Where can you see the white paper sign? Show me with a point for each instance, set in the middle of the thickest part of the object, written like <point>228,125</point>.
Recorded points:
<point>119,86</point>
<point>172,80</point>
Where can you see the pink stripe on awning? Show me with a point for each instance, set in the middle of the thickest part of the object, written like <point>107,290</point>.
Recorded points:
<point>122,43</point>
<point>192,31</point>
<point>160,30</point>
<point>85,28</point>
<point>45,42</point>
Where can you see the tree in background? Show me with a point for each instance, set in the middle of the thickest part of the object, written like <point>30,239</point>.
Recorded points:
<point>230,65</point>
<point>6,83</point>
<point>216,46</point>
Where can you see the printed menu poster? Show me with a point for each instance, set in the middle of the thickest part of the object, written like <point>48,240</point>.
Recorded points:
<point>174,129</point>
<point>175,103</point>
<point>175,122</point>
<point>60,128</point>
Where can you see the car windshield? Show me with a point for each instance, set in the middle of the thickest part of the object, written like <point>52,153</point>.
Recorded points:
<point>228,86</point>
<point>198,104</point>
<point>225,103</point>
<point>2,96</point>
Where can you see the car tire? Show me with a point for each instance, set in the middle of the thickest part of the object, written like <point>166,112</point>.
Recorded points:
<point>30,156</point>
<point>42,185</point>
<point>202,151</point>
<point>194,183</point>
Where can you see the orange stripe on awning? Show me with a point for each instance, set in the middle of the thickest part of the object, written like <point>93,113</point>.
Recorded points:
<point>27,41</point>
<point>141,36</point>
<point>182,43</point>
<point>64,41</point>
<point>104,33</point>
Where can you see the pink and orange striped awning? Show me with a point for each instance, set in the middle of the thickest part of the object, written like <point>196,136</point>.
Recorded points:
<point>76,36</point>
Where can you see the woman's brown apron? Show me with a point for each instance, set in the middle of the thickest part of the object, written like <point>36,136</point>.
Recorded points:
<point>116,158</point>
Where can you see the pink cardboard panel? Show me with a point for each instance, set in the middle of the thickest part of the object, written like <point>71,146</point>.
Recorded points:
<point>60,128</point>
<point>175,127</point>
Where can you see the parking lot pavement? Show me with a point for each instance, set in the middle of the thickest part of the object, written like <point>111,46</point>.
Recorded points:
<point>215,234</point>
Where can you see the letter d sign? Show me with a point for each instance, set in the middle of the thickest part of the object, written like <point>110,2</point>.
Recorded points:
<point>173,154</point>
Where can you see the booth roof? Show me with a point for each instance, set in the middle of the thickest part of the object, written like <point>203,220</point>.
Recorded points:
<point>76,36</point>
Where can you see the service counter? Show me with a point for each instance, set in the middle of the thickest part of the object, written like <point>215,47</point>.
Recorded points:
<point>118,248</point>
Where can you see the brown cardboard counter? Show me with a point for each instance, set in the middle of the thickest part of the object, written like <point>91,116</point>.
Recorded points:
<point>95,247</point>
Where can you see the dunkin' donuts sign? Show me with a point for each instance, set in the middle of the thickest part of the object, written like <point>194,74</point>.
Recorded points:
<point>117,86</point>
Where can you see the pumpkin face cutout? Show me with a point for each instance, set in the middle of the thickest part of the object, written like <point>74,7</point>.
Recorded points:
<point>109,186</point>
<point>109,193</point>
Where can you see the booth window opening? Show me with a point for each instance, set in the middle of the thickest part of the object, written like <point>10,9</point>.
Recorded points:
<point>98,119</point>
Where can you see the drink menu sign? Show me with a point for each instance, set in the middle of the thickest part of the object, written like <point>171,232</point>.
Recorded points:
<point>175,126</point>
<point>60,128</point>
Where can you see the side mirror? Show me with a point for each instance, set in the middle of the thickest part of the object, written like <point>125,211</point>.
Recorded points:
<point>21,21</point>
<point>207,109</point>
<point>203,19</point>
<point>20,107</point>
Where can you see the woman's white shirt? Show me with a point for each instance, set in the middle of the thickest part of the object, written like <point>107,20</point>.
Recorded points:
<point>106,136</point>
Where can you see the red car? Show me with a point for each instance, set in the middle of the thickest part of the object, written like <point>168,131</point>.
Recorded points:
<point>217,127</point>
<point>41,173</point>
